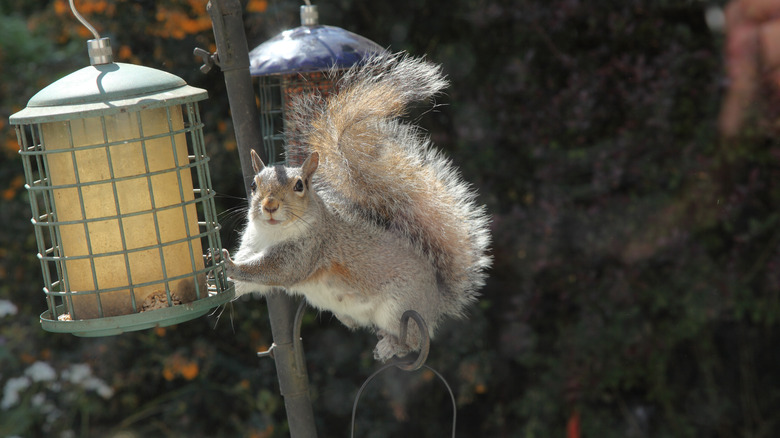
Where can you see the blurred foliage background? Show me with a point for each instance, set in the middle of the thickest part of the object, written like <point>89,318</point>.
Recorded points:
<point>637,254</point>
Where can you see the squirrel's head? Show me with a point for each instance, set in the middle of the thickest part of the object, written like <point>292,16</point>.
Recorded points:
<point>281,195</point>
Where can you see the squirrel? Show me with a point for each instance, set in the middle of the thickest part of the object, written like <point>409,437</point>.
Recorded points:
<point>376,221</point>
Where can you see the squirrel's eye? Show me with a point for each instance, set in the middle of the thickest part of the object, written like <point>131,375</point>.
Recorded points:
<point>253,185</point>
<point>298,186</point>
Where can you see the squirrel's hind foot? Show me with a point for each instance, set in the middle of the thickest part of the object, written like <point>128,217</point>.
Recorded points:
<point>389,346</point>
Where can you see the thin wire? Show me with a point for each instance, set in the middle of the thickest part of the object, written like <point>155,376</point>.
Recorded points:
<point>83,20</point>
<point>383,368</point>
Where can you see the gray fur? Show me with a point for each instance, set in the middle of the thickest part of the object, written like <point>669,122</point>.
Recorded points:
<point>389,224</point>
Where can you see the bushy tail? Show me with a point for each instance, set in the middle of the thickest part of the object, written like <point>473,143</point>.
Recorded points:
<point>387,171</point>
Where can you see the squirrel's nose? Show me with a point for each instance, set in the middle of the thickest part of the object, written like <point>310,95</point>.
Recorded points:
<point>270,205</point>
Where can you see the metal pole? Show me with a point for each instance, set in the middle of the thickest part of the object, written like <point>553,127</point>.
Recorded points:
<point>233,59</point>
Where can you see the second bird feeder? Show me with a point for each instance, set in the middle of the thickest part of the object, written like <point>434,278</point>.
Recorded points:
<point>303,60</point>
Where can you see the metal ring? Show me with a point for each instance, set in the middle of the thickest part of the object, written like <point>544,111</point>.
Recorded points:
<point>425,341</point>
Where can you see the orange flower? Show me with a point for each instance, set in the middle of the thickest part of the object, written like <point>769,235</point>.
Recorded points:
<point>180,366</point>
<point>189,370</point>
<point>198,7</point>
<point>83,32</point>
<point>11,191</point>
<point>178,24</point>
<point>257,6</point>
<point>125,52</point>
<point>61,7</point>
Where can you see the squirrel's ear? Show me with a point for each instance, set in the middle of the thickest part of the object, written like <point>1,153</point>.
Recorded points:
<point>257,163</point>
<point>310,165</point>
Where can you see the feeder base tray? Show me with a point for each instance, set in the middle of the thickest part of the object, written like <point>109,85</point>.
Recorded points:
<point>115,325</point>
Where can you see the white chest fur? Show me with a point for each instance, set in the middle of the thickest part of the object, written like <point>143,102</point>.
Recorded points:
<point>350,306</point>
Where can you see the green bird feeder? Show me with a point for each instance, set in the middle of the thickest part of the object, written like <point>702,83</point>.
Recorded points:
<point>122,205</point>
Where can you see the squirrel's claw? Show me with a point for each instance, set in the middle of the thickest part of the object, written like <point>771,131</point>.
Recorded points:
<point>230,267</point>
<point>226,257</point>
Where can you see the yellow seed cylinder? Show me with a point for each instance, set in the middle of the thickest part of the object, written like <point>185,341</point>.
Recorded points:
<point>145,203</point>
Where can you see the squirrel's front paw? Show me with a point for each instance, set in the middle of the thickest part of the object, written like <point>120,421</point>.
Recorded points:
<point>230,267</point>
<point>235,271</point>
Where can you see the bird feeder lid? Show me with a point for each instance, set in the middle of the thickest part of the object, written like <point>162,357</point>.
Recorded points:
<point>106,89</point>
<point>310,48</point>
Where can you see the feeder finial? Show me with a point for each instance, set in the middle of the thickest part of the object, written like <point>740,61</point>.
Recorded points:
<point>309,14</point>
<point>99,49</point>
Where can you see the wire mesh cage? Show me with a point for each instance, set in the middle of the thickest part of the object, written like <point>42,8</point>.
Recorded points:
<point>121,199</point>
<point>306,59</point>
<point>277,93</point>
